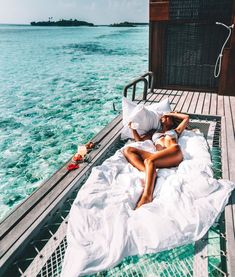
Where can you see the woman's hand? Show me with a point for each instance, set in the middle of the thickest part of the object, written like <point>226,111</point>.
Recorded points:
<point>129,125</point>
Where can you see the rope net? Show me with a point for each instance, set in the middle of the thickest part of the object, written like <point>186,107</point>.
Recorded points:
<point>45,256</point>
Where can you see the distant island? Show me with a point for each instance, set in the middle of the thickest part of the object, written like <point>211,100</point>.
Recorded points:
<point>62,23</point>
<point>123,24</point>
<point>75,22</point>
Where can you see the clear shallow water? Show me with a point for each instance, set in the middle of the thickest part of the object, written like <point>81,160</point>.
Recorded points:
<point>57,88</point>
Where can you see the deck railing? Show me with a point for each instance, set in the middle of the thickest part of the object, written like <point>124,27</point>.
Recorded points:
<point>148,85</point>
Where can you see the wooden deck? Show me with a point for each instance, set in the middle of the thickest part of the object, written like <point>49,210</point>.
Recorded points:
<point>23,223</point>
<point>205,103</point>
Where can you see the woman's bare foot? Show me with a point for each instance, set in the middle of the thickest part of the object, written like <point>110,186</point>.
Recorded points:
<point>144,199</point>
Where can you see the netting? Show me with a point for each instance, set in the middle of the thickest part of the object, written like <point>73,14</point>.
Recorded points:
<point>51,243</point>
<point>175,262</point>
<point>201,9</point>
<point>54,263</point>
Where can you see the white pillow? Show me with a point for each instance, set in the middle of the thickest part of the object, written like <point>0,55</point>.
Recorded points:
<point>146,116</point>
<point>146,119</point>
<point>161,107</point>
<point>127,109</point>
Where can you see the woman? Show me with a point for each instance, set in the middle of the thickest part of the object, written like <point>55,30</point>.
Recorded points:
<point>168,152</point>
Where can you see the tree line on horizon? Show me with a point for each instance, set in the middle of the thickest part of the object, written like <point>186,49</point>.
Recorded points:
<point>75,22</point>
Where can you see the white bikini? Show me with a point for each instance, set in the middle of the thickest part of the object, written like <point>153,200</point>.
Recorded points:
<point>172,133</point>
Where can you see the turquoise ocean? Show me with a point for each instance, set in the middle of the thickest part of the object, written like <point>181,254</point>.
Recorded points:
<point>57,89</point>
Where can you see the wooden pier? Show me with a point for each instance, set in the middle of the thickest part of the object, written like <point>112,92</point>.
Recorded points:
<point>26,222</point>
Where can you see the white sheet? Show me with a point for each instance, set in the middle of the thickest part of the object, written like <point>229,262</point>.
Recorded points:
<point>103,228</point>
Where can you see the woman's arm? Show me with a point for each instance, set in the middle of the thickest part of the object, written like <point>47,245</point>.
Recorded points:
<point>183,124</point>
<point>137,137</point>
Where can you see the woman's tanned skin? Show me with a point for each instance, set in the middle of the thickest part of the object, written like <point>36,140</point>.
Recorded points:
<point>168,153</point>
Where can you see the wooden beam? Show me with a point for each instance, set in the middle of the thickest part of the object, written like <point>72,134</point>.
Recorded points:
<point>213,106</point>
<point>157,51</point>
<point>227,79</point>
<point>17,238</point>
<point>159,11</point>
<point>206,106</point>
<point>194,102</point>
<point>25,207</point>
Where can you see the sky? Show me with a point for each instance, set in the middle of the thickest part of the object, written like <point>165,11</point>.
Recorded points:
<point>95,11</point>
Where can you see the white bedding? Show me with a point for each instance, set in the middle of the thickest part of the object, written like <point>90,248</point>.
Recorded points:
<point>104,228</point>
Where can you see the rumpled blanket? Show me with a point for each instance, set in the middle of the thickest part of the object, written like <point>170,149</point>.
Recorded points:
<point>104,228</point>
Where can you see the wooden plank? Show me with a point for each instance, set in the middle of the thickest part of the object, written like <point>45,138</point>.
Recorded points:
<point>230,241</point>
<point>174,92</point>
<point>15,216</point>
<point>150,99</point>
<point>171,96</point>
<point>175,101</point>
<point>154,97</point>
<point>213,106</point>
<point>220,107</point>
<point>180,92</point>
<point>200,102</point>
<point>230,138</point>
<point>207,102</point>
<point>200,260</point>
<point>228,213</point>
<point>180,103</point>
<point>224,107</point>
<point>232,106</point>
<point>224,149</point>
<point>159,11</point>
<point>189,88</point>
<point>11,233</point>
<point>187,102</point>
<point>19,235</point>
<point>227,80</point>
<point>167,94</point>
<point>193,104</point>
<point>161,96</point>
<point>157,50</point>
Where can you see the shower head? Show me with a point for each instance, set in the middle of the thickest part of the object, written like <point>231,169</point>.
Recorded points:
<point>228,27</point>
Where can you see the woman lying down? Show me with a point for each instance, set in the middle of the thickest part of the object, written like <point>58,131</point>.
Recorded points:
<point>168,152</point>
<point>113,216</point>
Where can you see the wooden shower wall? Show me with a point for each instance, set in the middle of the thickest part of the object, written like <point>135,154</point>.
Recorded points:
<point>159,18</point>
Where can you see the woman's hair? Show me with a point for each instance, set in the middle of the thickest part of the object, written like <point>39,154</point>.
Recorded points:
<point>177,121</point>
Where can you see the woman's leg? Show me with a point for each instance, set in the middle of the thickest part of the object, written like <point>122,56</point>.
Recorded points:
<point>150,178</point>
<point>136,157</point>
<point>169,157</point>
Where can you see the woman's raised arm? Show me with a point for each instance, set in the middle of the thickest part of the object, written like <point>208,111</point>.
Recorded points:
<point>183,124</point>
